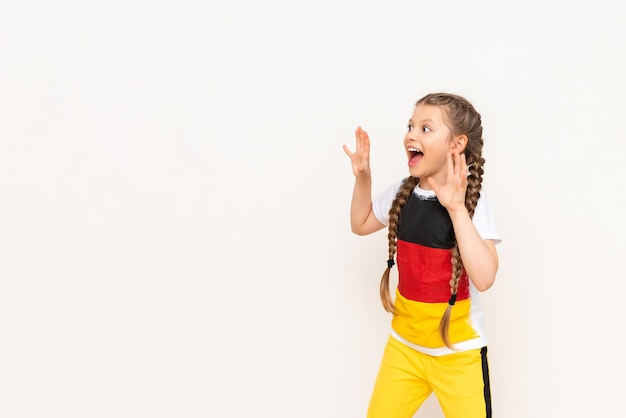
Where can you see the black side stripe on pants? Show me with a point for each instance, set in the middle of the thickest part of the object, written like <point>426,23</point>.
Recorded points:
<point>483,354</point>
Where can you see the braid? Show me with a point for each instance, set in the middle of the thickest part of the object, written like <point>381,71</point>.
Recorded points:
<point>474,184</point>
<point>457,270</point>
<point>474,181</point>
<point>394,215</point>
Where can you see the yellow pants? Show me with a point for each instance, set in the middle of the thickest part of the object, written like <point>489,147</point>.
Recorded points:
<point>407,377</point>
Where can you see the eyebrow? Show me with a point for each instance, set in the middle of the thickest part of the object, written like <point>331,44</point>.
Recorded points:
<point>425,120</point>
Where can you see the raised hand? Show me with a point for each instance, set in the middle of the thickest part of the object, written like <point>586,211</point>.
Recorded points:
<point>361,157</point>
<point>451,194</point>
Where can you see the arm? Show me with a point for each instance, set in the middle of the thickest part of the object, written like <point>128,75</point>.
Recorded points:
<point>362,219</point>
<point>479,256</point>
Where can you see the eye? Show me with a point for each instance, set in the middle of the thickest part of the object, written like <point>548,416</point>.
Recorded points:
<point>426,128</point>
<point>409,128</point>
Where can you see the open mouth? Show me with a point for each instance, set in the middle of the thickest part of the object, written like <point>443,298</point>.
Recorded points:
<point>415,155</point>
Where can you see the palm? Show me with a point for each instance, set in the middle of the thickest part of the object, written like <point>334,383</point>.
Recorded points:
<point>451,194</point>
<point>361,157</point>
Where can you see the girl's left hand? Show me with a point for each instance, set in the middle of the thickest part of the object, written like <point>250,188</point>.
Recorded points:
<point>451,194</point>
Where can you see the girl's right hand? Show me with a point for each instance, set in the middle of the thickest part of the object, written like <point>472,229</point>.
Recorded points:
<point>361,157</point>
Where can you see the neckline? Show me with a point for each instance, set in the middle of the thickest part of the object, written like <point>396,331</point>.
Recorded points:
<point>422,192</point>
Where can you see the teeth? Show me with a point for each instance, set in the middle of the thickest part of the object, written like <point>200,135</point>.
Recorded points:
<point>413,149</point>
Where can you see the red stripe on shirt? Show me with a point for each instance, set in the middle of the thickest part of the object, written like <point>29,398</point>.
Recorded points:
<point>424,273</point>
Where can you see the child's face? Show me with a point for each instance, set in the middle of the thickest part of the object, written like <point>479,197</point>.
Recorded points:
<point>427,144</point>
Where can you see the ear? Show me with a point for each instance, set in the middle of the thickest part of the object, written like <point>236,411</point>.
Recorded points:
<point>459,143</point>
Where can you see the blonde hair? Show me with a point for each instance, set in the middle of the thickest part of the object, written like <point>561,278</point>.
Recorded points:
<point>462,119</point>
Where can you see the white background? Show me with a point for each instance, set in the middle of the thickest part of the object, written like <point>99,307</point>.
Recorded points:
<point>174,200</point>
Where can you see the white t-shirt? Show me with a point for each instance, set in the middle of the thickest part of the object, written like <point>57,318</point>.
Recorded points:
<point>484,221</point>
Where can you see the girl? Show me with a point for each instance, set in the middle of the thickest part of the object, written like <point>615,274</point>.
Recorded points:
<point>442,233</point>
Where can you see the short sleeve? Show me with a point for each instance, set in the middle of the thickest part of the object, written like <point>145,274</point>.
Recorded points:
<point>484,220</point>
<point>382,203</point>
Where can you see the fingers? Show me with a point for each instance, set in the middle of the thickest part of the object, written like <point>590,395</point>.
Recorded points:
<point>362,143</point>
<point>457,166</point>
<point>460,163</point>
<point>358,133</point>
<point>347,151</point>
<point>360,157</point>
<point>464,172</point>
<point>362,140</point>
